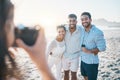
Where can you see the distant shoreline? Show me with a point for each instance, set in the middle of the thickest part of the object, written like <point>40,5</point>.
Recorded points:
<point>114,26</point>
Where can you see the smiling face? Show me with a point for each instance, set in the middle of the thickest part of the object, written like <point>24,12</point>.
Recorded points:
<point>86,21</point>
<point>72,22</point>
<point>61,33</point>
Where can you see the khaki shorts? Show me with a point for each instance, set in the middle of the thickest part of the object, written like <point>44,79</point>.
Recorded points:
<point>70,64</point>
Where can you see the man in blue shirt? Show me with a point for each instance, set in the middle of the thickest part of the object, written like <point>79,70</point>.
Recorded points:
<point>92,42</point>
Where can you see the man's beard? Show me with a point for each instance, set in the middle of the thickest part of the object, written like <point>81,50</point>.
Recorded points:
<point>86,26</point>
<point>72,26</point>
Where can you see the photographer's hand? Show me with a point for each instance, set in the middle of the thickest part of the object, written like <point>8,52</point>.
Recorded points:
<point>13,51</point>
<point>37,54</point>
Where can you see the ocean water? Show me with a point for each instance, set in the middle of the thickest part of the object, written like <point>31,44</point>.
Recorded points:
<point>108,28</point>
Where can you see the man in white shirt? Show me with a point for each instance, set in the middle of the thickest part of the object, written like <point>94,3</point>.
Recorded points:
<point>71,55</point>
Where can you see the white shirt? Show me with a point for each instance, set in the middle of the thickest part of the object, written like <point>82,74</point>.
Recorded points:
<point>57,48</point>
<point>72,42</point>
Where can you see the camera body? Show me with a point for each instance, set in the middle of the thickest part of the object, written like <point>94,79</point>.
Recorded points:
<point>27,34</point>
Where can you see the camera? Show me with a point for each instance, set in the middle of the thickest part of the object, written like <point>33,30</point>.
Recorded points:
<point>27,34</point>
<point>83,45</point>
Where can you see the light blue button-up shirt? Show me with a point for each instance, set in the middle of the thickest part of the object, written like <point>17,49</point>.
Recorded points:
<point>92,39</point>
<point>72,42</point>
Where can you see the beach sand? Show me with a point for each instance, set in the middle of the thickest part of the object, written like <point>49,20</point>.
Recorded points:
<point>109,67</point>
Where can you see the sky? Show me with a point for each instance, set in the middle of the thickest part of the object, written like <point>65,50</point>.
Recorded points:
<point>54,12</point>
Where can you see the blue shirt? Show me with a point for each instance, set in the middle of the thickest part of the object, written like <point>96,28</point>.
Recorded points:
<point>92,39</point>
<point>72,42</point>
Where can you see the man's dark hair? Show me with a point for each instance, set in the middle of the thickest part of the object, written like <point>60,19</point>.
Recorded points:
<point>72,16</point>
<point>86,13</point>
